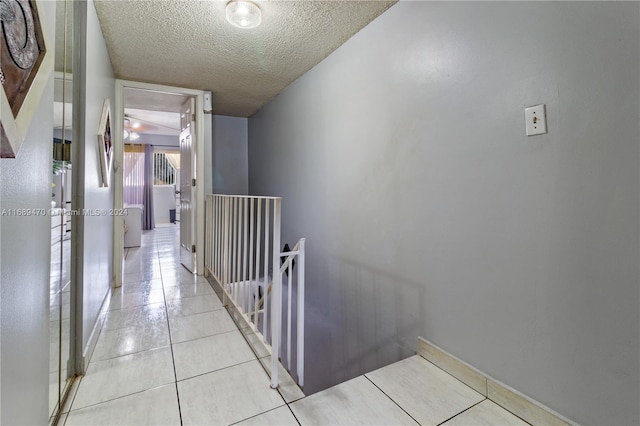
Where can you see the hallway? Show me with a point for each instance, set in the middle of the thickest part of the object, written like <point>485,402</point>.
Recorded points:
<point>169,354</point>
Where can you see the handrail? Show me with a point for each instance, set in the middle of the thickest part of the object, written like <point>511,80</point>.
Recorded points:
<point>243,255</point>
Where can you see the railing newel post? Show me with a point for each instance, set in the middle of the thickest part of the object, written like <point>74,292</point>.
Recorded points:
<point>300,314</point>
<point>276,309</point>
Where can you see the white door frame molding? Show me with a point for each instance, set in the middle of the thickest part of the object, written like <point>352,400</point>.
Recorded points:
<point>118,152</point>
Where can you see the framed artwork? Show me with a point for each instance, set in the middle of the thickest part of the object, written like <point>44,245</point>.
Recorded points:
<point>25,66</point>
<point>105,147</point>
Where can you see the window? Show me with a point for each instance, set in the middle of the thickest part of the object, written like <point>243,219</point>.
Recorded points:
<point>165,168</point>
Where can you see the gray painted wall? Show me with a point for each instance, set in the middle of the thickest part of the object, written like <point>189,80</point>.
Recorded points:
<point>403,158</point>
<point>25,243</point>
<point>97,233</point>
<point>230,163</point>
<point>163,141</point>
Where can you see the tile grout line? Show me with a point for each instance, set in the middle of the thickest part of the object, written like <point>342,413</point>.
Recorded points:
<point>119,397</point>
<point>217,370</point>
<point>393,400</point>
<point>291,410</point>
<point>264,412</point>
<point>173,358</point>
<point>204,337</point>
<point>486,397</point>
<point>133,353</point>
<point>465,410</point>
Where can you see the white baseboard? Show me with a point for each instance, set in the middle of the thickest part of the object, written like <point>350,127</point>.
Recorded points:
<point>511,400</point>
<point>97,327</point>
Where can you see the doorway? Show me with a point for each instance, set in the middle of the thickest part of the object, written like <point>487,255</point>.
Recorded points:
<point>150,119</point>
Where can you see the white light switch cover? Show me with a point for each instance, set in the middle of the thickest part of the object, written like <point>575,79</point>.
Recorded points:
<point>535,119</point>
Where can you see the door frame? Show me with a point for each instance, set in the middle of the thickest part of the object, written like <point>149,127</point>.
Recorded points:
<point>186,187</point>
<point>118,152</point>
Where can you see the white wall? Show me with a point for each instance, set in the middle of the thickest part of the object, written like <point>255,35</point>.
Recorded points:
<point>25,243</point>
<point>229,146</point>
<point>164,199</point>
<point>403,158</point>
<point>96,232</point>
<point>162,141</point>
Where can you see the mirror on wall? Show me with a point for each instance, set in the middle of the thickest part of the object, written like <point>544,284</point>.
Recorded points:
<point>61,169</point>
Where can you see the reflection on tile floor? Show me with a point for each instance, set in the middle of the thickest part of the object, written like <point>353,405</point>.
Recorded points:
<point>170,354</point>
<point>59,323</point>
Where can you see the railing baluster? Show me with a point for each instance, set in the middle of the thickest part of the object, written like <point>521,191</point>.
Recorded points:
<point>210,230</point>
<point>207,231</point>
<point>265,305</point>
<point>214,235</point>
<point>251,242</point>
<point>234,265</point>
<point>289,295</point>
<point>216,247</point>
<point>244,262</point>
<point>225,249</point>
<point>258,235</point>
<point>221,241</point>
<point>239,249</point>
<point>233,246</point>
<point>218,227</point>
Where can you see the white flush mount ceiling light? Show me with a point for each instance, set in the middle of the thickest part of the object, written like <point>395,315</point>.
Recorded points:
<point>243,14</point>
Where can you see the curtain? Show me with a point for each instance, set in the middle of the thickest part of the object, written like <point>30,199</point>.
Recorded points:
<point>133,174</point>
<point>174,159</point>
<point>148,220</point>
<point>138,181</point>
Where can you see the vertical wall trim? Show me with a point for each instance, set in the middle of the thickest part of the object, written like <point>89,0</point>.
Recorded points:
<point>200,213</point>
<point>118,194</point>
<point>76,362</point>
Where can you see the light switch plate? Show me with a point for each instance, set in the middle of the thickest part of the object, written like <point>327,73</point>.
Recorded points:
<point>535,120</point>
<point>207,102</point>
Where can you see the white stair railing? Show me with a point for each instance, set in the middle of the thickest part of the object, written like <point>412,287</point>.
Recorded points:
<point>243,255</point>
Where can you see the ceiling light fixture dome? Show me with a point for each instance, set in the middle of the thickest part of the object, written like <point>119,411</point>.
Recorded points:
<point>243,14</point>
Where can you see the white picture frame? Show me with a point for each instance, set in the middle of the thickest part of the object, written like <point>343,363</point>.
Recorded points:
<point>105,143</point>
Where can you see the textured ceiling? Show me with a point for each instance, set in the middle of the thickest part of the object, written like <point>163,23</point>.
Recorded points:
<point>189,43</point>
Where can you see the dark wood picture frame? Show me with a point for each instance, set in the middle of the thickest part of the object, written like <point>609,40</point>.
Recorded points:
<point>25,67</point>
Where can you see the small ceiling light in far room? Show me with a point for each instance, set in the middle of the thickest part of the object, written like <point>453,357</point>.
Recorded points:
<point>243,14</point>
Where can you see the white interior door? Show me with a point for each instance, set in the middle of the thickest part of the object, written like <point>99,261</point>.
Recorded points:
<point>187,186</point>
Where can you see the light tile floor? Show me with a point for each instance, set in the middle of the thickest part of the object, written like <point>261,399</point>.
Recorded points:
<point>59,323</point>
<point>169,353</point>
